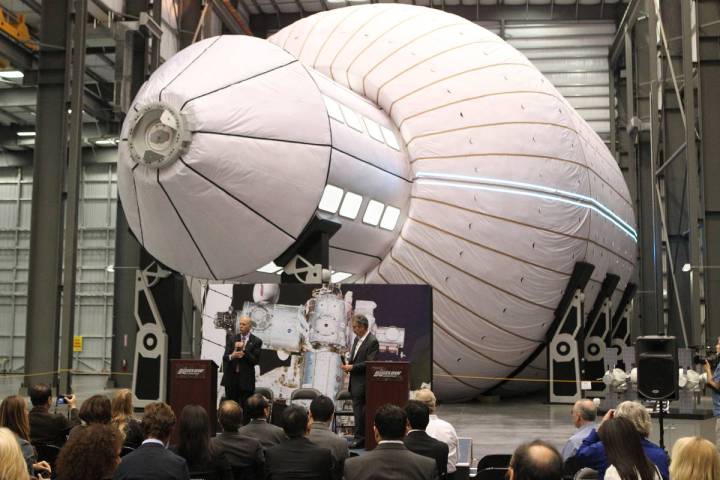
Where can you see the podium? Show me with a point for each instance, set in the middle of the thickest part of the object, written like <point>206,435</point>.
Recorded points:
<point>385,382</point>
<point>193,382</point>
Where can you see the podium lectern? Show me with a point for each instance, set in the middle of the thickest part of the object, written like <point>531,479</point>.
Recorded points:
<point>385,382</point>
<point>193,382</point>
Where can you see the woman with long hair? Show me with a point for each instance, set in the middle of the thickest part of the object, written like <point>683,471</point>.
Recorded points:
<point>14,416</point>
<point>122,419</point>
<point>195,445</point>
<point>12,464</point>
<point>694,458</point>
<point>626,458</point>
<point>93,453</point>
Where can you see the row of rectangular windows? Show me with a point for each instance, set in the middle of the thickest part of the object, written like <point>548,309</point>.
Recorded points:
<point>343,114</point>
<point>347,204</point>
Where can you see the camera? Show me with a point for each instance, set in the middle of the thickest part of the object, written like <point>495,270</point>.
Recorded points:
<point>705,352</point>
<point>61,400</point>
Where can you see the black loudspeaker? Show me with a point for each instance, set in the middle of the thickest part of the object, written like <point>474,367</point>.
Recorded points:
<point>657,367</point>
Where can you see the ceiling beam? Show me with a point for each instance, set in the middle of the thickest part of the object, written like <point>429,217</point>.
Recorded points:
<point>18,56</point>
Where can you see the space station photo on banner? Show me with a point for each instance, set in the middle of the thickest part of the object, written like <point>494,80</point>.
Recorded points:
<point>306,330</point>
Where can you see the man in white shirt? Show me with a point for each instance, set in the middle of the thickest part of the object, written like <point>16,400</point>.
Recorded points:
<point>583,414</point>
<point>440,429</point>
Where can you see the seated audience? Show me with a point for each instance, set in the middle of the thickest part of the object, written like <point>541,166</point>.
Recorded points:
<point>592,452</point>
<point>440,429</point>
<point>259,427</point>
<point>694,458</point>
<point>322,410</point>
<point>151,460</point>
<point>91,453</point>
<point>14,416</point>
<point>417,440</point>
<point>583,415</point>
<point>626,459</point>
<point>537,460</point>
<point>12,464</point>
<point>195,447</point>
<point>50,428</point>
<point>245,454</point>
<point>121,409</point>
<point>94,411</point>
<point>297,457</point>
<point>390,460</point>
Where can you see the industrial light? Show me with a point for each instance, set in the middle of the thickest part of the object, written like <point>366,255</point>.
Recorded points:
<point>11,74</point>
<point>331,198</point>
<point>106,142</point>
<point>373,212</point>
<point>390,218</point>
<point>338,277</point>
<point>351,205</point>
<point>269,268</point>
<point>687,267</point>
<point>26,134</point>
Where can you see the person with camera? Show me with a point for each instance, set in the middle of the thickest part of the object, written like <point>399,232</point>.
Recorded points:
<point>713,381</point>
<point>50,428</point>
<point>242,353</point>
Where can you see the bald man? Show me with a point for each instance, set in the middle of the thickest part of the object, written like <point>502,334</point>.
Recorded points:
<point>583,415</point>
<point>242,353</point>
<point>536,460</point>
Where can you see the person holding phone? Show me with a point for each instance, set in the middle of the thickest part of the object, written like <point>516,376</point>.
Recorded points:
<point>50,428</point>
<point>242,353</point>
<point>713,381</point>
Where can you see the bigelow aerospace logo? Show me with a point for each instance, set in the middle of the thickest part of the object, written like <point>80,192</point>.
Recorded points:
<point>387,374</point>
<point>190,372</point>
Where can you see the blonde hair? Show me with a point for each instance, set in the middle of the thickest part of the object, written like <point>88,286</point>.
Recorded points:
<point>694,458</point>
<point>426,396</point>
<point>12,463</point>
<point>637,414</point>
<point>122,409</point>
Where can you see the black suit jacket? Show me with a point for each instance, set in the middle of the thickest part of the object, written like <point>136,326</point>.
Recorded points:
<point>244,377</point>
<point>266,433</point>
<point>245,454</point>
<point>390,461</point>
<point>423,444</point>
<point>298,459</point>
<point>51,428</point>
<point>367,351</point>
<point>152,462</point>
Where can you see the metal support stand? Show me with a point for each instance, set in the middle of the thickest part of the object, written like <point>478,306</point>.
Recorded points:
<point>597,334</point>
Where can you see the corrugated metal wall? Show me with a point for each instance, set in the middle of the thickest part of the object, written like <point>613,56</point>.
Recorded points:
<point>96,243</point>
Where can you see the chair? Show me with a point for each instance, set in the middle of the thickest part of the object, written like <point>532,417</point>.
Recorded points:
<point>304,396</point>
<point>245,473</point>
<point>494,461</point>
<point>491,474</point>
<point>203,475</point>
<point>587,474</point>
<point>125,450</point>
<point>47,453</point>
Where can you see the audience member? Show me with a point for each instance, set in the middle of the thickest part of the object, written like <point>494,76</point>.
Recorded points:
<point>50,428</point>
<point>258,410</point>
<point>94,411</point>
<point>592,452</point>
<point>245,454</point>
<point>390,460</point>
<point>626,459</point>
<point>121,409</point>
<point>14,416</point>
<point>12,464</point>
<point>322,410</point>
<point>297,457</point>
<point>713,381</point>
<point>417,440</point>
<point>694,458</point>
<point>583,415</point>
<point>152,461</point>
<point>537,460</point>
<point>440,429</point>
<point>91,453</point>
<point>195,447</point>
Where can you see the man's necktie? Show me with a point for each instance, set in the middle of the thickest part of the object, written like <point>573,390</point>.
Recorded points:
<point>355,342</point>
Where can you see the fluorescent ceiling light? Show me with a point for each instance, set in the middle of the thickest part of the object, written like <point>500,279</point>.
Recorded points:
<point>333,109</point>
<point>373,212</point>
<point>352,119</point>
<point>26,134</point>
<point>373,129</point>
<point>687,267</point>
<point>338,277</point>
<point>106,142</point>
<point>331,198</point>
<point>269,268</point>
<point>11,74</point>
<point>390,138</point>
<point>390,218</point>
<point>351,205</point>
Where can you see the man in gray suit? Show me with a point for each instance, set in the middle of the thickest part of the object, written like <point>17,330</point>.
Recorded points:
<point>390,460</point>
<point>322,410</point>
<point>259,427</point>
<point>245,454</point>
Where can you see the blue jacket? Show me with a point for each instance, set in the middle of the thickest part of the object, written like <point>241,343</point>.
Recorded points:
<point>592,454</point>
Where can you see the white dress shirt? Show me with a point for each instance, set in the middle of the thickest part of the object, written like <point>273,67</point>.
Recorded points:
<point>443,431</point>
<point>360,342</point>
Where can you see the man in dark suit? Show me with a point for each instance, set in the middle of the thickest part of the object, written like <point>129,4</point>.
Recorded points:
<point>322,410</point>
<point>259,428</point>
<point>50,428</point>
<point>418,441</point>
<point>245,454</point>
<point>297,457</point>
<point>152,460</point>
<point>242,353</point>
<point>365,347</point>
<point>390,460</point>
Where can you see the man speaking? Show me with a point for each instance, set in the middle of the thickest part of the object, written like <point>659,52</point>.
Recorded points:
<point>242,353</point>
<point>364,348</point>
